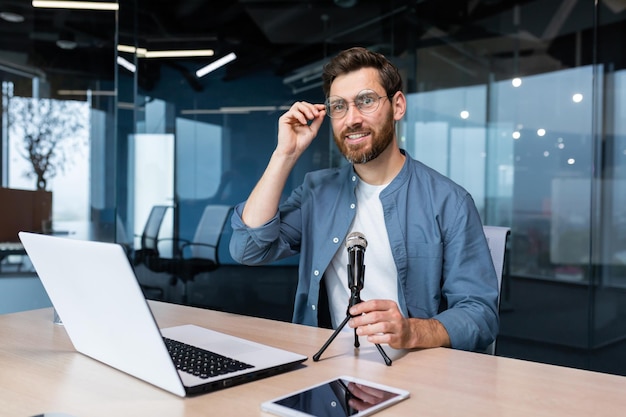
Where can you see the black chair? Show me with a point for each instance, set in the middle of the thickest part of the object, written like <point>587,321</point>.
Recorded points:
<point>190,258</point>
<point>149,247</point>
<point>150,236</point>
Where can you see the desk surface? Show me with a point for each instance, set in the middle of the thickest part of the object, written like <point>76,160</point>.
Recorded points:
<point>41,372</point>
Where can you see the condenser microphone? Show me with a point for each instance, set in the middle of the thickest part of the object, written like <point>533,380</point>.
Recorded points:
<point>356,244</point>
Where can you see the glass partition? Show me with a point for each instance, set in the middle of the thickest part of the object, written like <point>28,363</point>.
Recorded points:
<point>58,114</point>
<point>521,102</point>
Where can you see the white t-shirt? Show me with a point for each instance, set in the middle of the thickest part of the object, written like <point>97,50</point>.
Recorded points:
<point>381,276</point>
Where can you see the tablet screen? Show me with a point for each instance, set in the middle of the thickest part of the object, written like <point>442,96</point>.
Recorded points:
<point>340,397</point>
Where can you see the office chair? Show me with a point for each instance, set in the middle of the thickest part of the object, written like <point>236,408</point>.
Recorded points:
<point>150,236</point>
<point>149,247</point>
<point>496,239</point>
<point>190,258</point>
<point>123,238</point>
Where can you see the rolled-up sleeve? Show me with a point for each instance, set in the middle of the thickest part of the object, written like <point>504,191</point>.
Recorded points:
<point>257,245</point>
<point>470,284</point>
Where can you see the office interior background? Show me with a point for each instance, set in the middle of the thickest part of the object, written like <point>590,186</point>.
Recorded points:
<point>521,102</point>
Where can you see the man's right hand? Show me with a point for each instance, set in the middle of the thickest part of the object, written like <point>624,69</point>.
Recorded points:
<point>298,127</point>
<point>296,130</point>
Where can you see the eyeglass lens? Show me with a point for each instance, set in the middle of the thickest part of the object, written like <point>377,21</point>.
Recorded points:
<point>366,101</point>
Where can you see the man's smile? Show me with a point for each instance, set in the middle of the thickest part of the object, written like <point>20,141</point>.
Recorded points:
<point>356,137</point>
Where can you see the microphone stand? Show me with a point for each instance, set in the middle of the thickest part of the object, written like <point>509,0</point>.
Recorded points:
<point>355,298</point>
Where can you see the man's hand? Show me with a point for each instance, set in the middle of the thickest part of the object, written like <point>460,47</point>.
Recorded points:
<point>298,127</point>
<point>296,130</point>
<point>383,323</point>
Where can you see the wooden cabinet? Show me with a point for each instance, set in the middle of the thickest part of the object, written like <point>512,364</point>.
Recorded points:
<point>23,210</point>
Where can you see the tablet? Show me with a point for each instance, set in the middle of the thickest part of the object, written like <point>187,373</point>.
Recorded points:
<point>338,397</point>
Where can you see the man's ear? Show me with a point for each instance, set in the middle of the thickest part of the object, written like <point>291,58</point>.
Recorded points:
<point>398,101</point>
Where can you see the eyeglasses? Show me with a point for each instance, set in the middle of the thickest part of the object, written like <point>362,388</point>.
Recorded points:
<point>367,101</point>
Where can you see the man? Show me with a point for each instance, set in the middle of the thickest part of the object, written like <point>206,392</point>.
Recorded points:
<point>429,278</point>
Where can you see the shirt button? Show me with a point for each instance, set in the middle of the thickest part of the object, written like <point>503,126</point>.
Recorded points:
<point>316,272</point>
<point>313,307</point>
<point>354,178</point>
<point>335,239</point>
<point>352,206</point>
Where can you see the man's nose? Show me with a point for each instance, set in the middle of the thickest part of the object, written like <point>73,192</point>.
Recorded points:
<point>353,115</point>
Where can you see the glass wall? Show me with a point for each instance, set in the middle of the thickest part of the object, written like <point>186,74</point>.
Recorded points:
<point>58,118</point>
<point>521,102</point>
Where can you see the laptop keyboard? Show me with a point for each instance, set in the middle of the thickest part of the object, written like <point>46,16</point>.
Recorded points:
<point>201,363</point>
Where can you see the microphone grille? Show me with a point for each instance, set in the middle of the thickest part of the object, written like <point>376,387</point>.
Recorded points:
<point>356,239</point>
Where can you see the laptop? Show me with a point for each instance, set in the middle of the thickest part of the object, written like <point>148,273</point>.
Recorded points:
<point>95,292</point>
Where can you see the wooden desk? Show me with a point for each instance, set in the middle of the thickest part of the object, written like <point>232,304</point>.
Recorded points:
<point>40,372</point>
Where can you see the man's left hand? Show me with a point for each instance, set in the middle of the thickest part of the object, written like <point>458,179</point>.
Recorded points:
<point>383,323</point>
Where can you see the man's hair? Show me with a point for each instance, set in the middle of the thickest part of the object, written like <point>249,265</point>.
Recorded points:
<point>354,59</point>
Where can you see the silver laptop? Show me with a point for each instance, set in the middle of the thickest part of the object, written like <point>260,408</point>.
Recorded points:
<point>96,294</point>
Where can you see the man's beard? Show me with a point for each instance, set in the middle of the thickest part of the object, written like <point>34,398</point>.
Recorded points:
<point>380,140</point>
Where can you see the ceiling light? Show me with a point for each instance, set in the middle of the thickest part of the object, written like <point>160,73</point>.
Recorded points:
<point>129,106</point>
<point>66,44</point>
<point>234,110</point>
<point>247,109</point>
<point>131,50</point>
<point>12,17</point>
<point>216,64</point>
<point>87,5</point>
<point>122,62</point>
<point>173,53</point>
<point>86,92</point>
<point>66,41</point>
<point>180,53</point>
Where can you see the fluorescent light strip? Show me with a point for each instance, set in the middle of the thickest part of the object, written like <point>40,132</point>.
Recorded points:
<point>234,110</point>
<point>132,50</point>
<point>178,53</point>
<point>174,53</point>
<point>129,106</point>
<point>247,108</point>
<point>86,92</point>
<point>216,64</point>
<point>86,5</point>
<point>210,111</point>
<point>122,62</point>
<point>126,48</point>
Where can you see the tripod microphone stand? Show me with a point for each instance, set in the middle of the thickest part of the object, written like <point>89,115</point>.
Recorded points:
<point>356,245</point>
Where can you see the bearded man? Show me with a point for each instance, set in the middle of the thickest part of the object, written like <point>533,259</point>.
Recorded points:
<point>430,278</point>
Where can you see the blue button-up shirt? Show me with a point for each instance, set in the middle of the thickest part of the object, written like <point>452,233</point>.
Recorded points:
<point>444,266</point>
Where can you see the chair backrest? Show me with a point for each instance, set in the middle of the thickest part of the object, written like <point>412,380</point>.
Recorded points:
<point>208,232</point>
<point>150,234</point>
<point>496,239</point>
<point>121,235</point>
